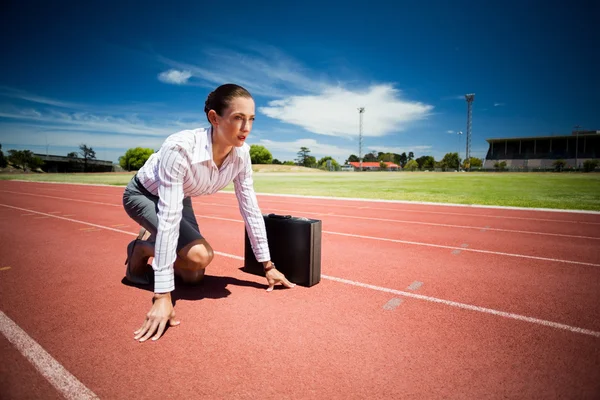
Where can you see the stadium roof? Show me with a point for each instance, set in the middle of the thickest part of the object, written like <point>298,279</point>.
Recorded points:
<point>581,134</point>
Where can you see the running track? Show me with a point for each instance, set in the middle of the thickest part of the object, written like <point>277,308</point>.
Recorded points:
<point>416,301</point>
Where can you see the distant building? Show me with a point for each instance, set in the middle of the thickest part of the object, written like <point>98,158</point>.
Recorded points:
<point>542,151</point>
<point>374,166</point>
<point>53,163</point>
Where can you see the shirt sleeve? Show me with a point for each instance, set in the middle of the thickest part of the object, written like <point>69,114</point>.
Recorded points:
<point>172,170</point>
<point>251,213</point>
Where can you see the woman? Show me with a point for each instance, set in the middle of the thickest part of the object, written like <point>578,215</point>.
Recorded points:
<point>192,163</point>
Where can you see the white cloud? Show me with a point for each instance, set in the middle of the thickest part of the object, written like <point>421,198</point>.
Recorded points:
<point>304,98</point>
<point>316,149</point>
<point>498,104</point>
<point>399,150</point>
<point>450,131</point>
<point>175,77</point>
<point>334,111</point>
<point>263,71</point>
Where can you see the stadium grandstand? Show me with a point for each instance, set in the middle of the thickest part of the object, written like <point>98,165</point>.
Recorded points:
<point>53,163</point>
<point>541,152</point>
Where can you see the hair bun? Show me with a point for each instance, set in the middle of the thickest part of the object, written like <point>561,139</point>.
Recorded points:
<point>207,103</point>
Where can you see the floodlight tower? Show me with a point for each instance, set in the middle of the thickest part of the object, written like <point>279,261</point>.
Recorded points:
<point>361,111</point>
<point>459,134</point>
<point>469,97</point>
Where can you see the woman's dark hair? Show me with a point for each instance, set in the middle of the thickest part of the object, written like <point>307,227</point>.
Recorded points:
<point>220,98</point>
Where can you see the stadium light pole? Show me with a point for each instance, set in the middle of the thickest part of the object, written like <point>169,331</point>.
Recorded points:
<point>469,97</point>
<point>361,111</point>
<point>577,127</point>
<point>459,133</point>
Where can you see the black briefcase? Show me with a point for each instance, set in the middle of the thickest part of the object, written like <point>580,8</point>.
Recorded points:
<point>295,247</point>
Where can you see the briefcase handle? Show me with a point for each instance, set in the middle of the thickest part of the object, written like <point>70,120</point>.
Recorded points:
<point>280,216</point>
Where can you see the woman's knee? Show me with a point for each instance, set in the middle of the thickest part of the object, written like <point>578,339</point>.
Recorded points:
<point>198,254</point>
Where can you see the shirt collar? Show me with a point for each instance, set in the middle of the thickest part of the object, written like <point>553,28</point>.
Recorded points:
<point>203,151</point>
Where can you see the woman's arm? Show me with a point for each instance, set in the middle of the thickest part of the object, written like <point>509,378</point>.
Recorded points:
<point>172,170</point>
<point>255,224</point>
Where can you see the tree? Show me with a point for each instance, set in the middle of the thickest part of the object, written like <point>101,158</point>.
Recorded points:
<point>472,162</point>
<point>311,162</point>
<point>88,154</point>
<point>403,159</point>
<point>411,165</point>
<point>425,162</point>
<point>24,158</point>
<point>352,158</point>
<point>370,157</point>
<point>303,156</point>
<point>276,161</point>
<point>135,158</point>
<point>260,155</point>
<point>411,155</point>
<point>3,162</point>
<point>322,164</point>
<point>450,160</point>
<point>382,165</point>
<point>386,157</point>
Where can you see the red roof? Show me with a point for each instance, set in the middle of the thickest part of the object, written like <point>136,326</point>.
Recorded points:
<point>373,164</point>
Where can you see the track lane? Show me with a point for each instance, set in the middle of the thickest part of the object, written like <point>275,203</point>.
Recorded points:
<point>327,342</point>
<point>516,285</point>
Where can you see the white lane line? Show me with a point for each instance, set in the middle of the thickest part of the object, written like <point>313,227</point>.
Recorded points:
<point>379,288</point>
<point>456,250</point>
<point>468,307</point>
<point>498,253</point>
<point>340,216</point>
<point>438,205</point>
<point>366,200</point>
<point>349,234</point>
<point>69,386</point>
<point>401,221</point>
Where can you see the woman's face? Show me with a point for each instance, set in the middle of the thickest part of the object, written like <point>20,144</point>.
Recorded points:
<point>234,126</point>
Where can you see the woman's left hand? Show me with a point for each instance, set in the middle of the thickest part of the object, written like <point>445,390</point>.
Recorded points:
<point>274,277</point>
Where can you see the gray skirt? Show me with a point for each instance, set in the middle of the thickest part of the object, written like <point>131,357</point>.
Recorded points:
<point>142,207</point>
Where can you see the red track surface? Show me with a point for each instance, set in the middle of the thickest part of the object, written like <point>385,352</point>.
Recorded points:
<point>334,340</point>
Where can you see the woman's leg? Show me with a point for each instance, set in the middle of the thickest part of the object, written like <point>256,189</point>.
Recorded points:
<point>194,253</point>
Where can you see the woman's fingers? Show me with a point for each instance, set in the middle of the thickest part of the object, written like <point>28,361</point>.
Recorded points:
<point>274,277</point>
<point>155,323</point>
<point>140,332</point>
<point>161,329</point>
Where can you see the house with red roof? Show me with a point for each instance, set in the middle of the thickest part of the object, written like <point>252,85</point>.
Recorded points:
<point>374,166</point>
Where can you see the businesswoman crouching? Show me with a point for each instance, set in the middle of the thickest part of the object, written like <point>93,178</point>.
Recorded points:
<point>190,163</point>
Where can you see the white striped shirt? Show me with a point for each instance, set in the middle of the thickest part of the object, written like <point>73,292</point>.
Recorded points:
<point>184,167</point>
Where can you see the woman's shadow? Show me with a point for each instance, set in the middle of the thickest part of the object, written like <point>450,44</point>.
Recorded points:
<point>210,287</point>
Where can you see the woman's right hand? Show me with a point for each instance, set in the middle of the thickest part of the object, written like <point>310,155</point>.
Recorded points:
<point>161,313</point>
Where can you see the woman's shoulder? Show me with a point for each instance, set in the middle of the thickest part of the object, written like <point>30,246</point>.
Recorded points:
<point>187,138</point>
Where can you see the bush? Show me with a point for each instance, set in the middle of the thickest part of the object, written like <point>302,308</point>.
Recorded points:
<point>500,166</point>
<point>412,165</point>
<point>134,158</point>
<point>260,155</point>
<point>559,165</point>
<point>590,165</point>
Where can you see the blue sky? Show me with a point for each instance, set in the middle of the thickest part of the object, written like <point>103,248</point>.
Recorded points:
<point>121,75</point>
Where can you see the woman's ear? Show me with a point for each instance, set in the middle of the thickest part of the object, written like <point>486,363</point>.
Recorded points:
<point>212,117</point>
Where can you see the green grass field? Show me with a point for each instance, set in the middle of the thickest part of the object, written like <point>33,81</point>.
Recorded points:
<point>578,191</point>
